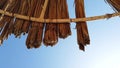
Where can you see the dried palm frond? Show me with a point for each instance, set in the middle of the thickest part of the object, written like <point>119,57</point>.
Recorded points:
<point>40,26</point>
<point>51,33</point>
<point>115,4</point>
<point>82,31</point>
<point>30,13</point>
<point>15,10</point>
<point>62,13</point>
<point>24,5</point>
<point>34,38</point>
<point>6,22</point>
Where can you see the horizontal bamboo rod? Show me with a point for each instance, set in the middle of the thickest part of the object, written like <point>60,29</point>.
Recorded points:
<point>58,20</point>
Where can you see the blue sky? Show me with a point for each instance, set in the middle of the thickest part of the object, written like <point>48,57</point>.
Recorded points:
<point>103,52</point>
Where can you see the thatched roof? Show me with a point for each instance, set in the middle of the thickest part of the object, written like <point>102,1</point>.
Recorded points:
<point>48,17</point>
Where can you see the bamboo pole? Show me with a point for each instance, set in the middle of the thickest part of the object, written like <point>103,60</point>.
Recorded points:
<point>71,20</point>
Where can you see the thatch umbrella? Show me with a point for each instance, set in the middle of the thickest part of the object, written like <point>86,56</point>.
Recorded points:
<point>46,20</point>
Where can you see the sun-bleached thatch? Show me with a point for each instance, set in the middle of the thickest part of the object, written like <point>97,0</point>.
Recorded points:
<point>46,21</point>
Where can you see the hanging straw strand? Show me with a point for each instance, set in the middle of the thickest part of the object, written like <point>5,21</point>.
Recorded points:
<point>40,28</point>
<point>64,29</point>
<point>31,9</point>
<point>5,22</point>
<point>19,22</point>
<point>82,31</point>
<point>34,38</point>
<point>51,34</point>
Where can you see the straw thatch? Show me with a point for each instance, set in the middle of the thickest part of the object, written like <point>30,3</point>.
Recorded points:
<point>46,21</point>
<point>82,31</point>
<point>115,4</point>
<point>53,31</point>
<point>34,38</point>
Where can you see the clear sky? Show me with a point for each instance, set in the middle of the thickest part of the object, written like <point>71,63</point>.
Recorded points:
<point>103,52</point>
